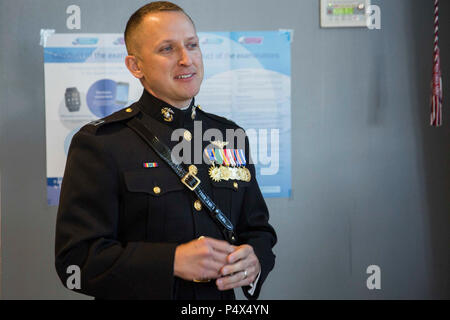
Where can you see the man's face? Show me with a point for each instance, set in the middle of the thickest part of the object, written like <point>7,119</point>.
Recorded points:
<point>168,57</point>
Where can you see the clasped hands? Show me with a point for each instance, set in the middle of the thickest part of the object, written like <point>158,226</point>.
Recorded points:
<point>208,258</point>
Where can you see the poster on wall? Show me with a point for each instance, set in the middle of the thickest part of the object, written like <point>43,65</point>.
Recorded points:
<point>247,79</point>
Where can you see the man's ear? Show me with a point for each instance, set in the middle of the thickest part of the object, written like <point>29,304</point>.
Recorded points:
<point>132,64</point>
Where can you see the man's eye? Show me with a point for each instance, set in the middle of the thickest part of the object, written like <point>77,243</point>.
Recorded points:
<point>193,45</point>
<point>166,49</point>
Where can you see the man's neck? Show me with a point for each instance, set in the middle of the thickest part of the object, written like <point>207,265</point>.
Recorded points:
<point>180,105</point>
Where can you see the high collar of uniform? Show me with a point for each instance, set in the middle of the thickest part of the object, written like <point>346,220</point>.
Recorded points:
<point>165,112</point>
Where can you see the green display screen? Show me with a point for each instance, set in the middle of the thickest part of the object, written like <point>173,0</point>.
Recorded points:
<point>342,11</point>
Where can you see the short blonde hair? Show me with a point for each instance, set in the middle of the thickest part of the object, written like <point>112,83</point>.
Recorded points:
<point>152,7</point>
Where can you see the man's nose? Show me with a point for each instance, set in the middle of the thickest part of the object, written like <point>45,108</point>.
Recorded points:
<point>185,58</point>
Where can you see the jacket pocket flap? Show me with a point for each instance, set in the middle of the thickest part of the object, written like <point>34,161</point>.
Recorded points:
<point>234,185</point>
<point>157,182</point>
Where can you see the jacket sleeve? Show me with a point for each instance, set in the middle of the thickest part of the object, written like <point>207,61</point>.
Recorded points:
<point>254,229</point>
<point>87,227</point>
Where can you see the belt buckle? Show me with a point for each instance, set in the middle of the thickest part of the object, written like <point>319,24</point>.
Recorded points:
<point>186,176</point>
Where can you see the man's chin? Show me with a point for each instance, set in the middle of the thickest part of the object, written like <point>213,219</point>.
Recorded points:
<point>189,94</point>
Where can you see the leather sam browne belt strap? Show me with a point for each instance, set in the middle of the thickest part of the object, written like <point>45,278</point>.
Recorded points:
<point>189,179</point>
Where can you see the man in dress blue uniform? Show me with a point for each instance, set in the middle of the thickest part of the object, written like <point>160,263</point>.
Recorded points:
<point>125,218</point>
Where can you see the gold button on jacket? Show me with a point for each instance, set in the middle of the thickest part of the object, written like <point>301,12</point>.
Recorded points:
<point>197,205</point>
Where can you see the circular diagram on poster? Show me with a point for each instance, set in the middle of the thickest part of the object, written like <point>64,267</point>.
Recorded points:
<point>101,98</point>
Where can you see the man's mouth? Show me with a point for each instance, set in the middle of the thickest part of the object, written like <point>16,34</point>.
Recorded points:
<point>185,76</point>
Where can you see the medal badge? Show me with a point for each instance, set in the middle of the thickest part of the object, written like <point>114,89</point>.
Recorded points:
<point>227,164</point>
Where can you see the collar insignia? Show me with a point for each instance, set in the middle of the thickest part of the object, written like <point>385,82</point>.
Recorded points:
<point>167,114</point>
